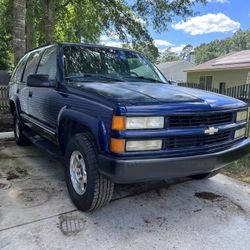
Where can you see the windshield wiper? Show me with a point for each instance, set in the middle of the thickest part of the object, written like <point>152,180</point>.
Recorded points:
<point>98,76</point>
<point>145,78</point>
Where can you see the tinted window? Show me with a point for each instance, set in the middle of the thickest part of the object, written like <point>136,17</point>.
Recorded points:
<point>31,64</point>
<point>48,65</point>
<point>107,64</point>
<point>17,75</point>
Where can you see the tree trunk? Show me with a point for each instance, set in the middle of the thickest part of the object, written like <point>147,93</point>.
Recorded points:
<point>49,20</point>
<point>19,16</point>
<point>30,36</point>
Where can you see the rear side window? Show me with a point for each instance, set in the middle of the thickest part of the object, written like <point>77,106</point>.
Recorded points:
<point>17,75</point>
<point>31,64</point>
<point>48,63</point>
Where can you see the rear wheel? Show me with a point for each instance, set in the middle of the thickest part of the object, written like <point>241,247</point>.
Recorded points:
<point>205,175</point>
<point>88,189</point>
<point>20,138</point>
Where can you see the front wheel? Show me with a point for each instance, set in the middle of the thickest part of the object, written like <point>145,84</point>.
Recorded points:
<point>88,189</point>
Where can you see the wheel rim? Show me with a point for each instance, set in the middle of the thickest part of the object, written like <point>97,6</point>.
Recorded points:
<point>17,128</point>
<point>78,174</point>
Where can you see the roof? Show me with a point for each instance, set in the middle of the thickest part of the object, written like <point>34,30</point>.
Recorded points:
<point>175,70</point>
<point>234,60</point>
<point>80,44</point>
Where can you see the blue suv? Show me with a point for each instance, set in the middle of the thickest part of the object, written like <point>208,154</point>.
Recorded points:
<point>112,117</point>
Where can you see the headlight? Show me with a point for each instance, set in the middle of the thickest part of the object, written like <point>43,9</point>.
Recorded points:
<point>241,116</point>
<point>240,133</point>
<point>145,122</point>
<point>150,122</point>
<point>144,145</point>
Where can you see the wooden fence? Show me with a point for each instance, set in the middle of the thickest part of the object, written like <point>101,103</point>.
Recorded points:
<point>4,98</point>
<point>241,92</point>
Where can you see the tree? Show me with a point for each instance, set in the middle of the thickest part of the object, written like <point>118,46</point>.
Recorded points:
<point>6,45</point>
<point>19,37</point>
<point>216,48</point>
<point>168,56</point>
<point>49,20</point>
<point>186,51</point>
<point>86,20</point>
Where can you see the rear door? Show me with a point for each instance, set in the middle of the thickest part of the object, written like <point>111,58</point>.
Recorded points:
<point>30,68</point>
<point>43,99</point>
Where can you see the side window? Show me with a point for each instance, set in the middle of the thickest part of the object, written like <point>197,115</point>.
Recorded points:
<point>31,64</point>
<point>18,72</point>
<point>48,63</point>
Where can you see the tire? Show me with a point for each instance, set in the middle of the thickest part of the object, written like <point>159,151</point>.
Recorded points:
<point>94,190</point>
<point>20,138</point>
<point>205,175</point>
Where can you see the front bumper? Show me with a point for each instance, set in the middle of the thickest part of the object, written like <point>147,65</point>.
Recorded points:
<point>137,170</point>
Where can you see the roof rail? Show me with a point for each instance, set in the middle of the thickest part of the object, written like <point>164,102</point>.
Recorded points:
<point>41,46</point>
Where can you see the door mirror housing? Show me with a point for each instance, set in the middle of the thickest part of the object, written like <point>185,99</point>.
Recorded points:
<point>40,80</point>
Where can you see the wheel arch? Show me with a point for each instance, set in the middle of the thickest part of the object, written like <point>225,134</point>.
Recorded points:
<point>71,122</point>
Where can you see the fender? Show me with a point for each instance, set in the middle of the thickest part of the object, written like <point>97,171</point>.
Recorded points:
<point>96,126</point>
<point>15,99</point>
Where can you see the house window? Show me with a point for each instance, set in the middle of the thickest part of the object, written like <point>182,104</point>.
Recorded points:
<point>206,82</point>
<point>202,81</point>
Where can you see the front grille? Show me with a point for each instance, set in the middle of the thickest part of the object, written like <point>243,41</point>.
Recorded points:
<point>189,141</point>
<point>184,121</point>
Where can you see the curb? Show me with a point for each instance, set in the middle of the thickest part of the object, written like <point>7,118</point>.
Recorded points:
<point>6,135</point>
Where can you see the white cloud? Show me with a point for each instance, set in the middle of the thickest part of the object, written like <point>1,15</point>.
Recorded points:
<point>207,24</point>
<point>177,49</point>
<point>159,42</point>
<point>218,1</point>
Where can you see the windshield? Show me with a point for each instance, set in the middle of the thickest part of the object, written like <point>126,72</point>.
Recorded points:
<point>83,63</point>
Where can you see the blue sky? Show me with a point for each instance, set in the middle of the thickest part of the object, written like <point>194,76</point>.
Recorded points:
<point>216,20</point>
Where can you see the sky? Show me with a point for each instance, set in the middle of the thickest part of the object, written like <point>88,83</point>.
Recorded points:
<point>218,19</point>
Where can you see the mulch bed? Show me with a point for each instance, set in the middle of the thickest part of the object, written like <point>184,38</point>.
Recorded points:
<point>6,121</point>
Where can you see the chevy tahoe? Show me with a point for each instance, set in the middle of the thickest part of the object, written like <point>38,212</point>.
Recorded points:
<point>113,117</point>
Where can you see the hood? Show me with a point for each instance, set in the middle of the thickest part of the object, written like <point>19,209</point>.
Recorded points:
<point>138,93</point>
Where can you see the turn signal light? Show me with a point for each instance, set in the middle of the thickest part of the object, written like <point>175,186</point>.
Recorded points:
<point>118,122</point>
<point>117,145</point>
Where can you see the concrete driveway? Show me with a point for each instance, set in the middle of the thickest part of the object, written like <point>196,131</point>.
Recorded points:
<point>36,212</point>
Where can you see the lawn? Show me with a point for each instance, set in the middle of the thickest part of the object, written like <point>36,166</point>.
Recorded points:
<point>239,169</point>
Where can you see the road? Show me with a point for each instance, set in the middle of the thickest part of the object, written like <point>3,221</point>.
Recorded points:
<point>36,212</point>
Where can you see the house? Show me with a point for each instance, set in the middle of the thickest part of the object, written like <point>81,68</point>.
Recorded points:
<point>223,72</point>
<point>175,70</point>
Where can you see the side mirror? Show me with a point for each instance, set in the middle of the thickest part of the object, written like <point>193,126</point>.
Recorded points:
<point>39,80</point>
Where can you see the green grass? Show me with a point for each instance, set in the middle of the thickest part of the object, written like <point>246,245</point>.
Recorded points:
<point>239,169</point>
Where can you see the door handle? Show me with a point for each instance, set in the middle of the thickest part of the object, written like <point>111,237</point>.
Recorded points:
<point>30,94</point>
<point>17,91</point>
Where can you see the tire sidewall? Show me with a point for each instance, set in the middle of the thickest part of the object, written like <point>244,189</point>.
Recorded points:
<point>83,201</point>
<point>16,120</point>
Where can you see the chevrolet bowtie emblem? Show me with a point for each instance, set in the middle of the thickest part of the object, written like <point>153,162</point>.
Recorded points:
<point>211,131</point>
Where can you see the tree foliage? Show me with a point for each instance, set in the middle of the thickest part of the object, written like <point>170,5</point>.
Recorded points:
<point>168,56</point>
<point>216,48</point>
<point>86,20</point>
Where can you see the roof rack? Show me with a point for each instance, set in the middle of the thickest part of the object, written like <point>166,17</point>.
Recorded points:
<point>41,46</point>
